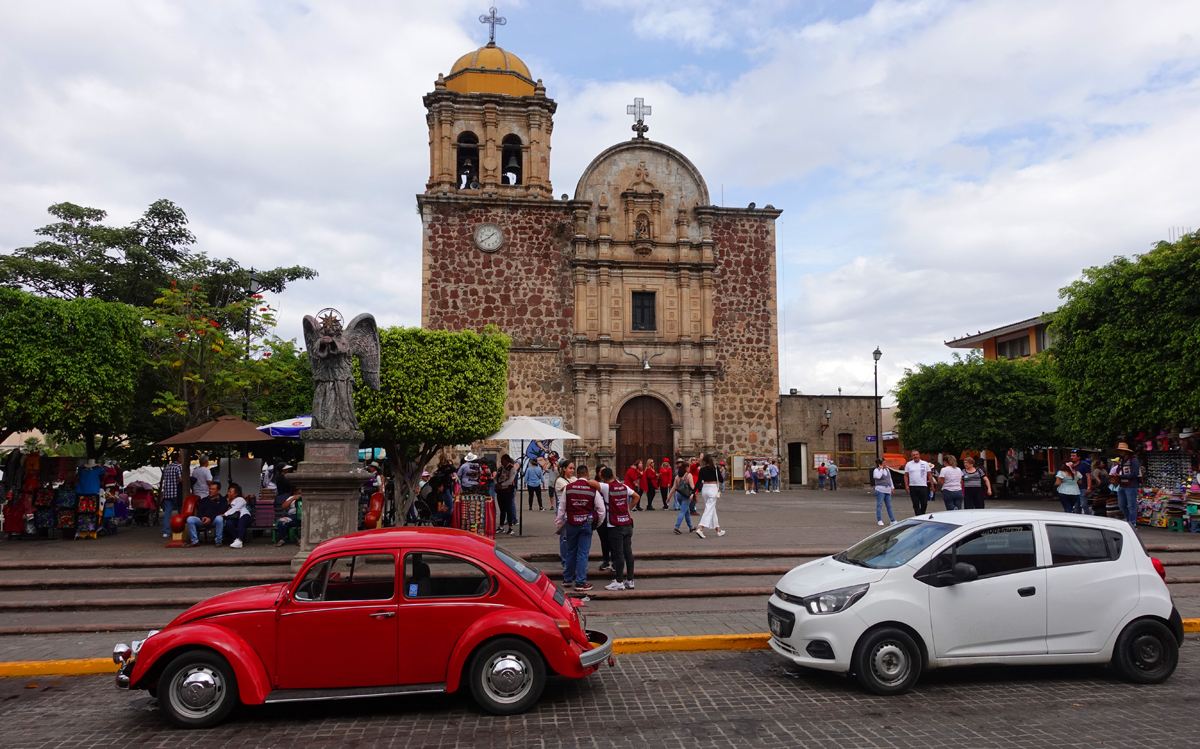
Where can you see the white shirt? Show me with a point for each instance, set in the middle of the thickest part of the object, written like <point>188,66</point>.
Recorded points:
<point>918,472</point>
<point>953,477</point>
<point>238,505</point>
<point>882,473</point>
<point>200,478</point>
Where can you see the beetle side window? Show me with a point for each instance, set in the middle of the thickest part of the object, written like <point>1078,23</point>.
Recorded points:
<point>1073,544</point>
<point>440,576</point>
<point>994,551</point>
<point>359,577</point>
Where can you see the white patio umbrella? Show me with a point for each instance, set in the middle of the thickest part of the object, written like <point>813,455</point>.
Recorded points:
<point>526,428</point>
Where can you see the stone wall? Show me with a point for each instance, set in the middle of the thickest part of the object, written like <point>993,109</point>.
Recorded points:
<point>801,417</point>
<point>524,289</point>
<point>746,388</point>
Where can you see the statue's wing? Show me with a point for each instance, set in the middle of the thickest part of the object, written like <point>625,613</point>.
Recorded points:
<point>363,335</point>
<point>311,333</point>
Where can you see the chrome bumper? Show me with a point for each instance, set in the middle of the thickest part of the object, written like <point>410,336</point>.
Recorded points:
<point>602,650</point>
<point>123,674</point>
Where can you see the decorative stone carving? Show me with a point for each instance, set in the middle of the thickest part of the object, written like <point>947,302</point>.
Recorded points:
<point>330,348</point>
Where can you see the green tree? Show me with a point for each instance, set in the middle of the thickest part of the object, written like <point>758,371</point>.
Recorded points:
<point>69,366</point>
<point>976,404</point>
<point>1127,340</point>
<point>438,389</point>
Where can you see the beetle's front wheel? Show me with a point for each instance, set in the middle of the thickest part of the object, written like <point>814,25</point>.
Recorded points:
<point>197,689</point>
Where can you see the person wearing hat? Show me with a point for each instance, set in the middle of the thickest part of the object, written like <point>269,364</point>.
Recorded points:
<point>1129,474</point>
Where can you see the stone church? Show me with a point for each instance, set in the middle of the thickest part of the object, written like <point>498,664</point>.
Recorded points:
<point>639,312</point>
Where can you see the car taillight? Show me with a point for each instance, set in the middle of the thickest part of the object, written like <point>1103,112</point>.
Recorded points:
<point>1159,568</point>
<point>564,626</point>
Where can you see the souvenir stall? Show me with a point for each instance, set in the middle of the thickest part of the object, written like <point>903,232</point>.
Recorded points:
<point>42,498</point>
<point>1169,495</point>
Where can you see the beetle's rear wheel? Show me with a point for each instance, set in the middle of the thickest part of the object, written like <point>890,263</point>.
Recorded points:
<point>507,676</point>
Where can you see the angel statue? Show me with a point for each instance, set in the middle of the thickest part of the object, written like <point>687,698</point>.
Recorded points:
<point>330,347</point>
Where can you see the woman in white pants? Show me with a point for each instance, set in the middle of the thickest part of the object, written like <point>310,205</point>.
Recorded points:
<point>710,484</point>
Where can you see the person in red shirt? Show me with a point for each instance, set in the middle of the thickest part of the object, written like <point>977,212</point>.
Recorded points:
<point>665,477</point>
<point>633,479</point>
<point>821,473</point>
<point>694,469</point>
<point>649,483</point>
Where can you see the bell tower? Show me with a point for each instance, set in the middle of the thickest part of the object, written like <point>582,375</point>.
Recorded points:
<point>489,127</point>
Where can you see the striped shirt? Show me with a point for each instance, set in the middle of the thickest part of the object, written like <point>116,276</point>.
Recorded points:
<point>170,480</point>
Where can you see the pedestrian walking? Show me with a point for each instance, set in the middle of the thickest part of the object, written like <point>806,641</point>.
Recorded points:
<point>1066,483</point>
<point>832,472</point>
<point>747,478</point>
<point>822,471</point>
<point>506,489</point>
<point>169,490</point>
<point>682,488</point>
<point>665,479</point>
<point>550,481</point>
<point>649,483</point>
<point>533,483</point>
<point>916,482</point>
<point>710,489</point>
<point>761,478</point>
<point>881,477</point>
<point>950,479</point>
<point>565,471</point>
<point>773,476</point>
<point>581,508</point>
<point>1128,480</point>
<point>694,470</point>
<point>974,482</point>
<point>619,522</point>
<point>633,479</point>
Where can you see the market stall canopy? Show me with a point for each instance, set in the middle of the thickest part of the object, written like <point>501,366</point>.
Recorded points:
<point>288,428</point>
<point>151,475</point>
<point>529,428</point>
<point>224,429</point>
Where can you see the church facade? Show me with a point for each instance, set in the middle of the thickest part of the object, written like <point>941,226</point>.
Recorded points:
<point>639,312</point>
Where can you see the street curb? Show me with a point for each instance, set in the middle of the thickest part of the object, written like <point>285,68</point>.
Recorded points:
<point>621,646</point>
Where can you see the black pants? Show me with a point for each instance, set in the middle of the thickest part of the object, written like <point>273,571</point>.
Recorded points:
<point>665,490</point>
<point>535,491</point>
<point>620,537</point>
<point>920,498</point>
<point>648,495</point>
<point>972,497</point>
<point>507,510</point>
<point>605,556</point>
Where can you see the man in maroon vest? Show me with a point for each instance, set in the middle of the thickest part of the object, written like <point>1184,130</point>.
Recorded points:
<point>620,529</point>
<point>580,508</point>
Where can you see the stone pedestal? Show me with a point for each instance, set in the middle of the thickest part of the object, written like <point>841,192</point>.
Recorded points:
<point>330,478</point>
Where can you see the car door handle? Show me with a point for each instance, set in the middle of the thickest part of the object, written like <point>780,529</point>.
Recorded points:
<point>383,614</point>
<point>1026,592</point>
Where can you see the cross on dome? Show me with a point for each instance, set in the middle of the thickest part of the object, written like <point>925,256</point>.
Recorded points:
<point>493,21</point>
<point>640,111</point>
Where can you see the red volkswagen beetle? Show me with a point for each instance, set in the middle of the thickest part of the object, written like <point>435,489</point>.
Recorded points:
<point>382,612</point>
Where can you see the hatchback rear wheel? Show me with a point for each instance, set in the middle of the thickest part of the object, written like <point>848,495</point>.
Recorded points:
<point>1146,652</point>
<point>507,676</point>
<point>887,661</point>
<point>197,689</point>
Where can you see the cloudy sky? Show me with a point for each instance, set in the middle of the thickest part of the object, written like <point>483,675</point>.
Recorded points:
<point>944,167</point>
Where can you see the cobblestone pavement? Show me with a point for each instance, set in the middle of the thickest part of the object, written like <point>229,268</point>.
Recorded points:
<point>713,699</point>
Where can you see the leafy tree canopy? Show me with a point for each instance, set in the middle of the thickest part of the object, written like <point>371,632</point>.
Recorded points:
<point>975,404</point>
<point>69,366</point>
<point>1127,341</point>
<point>438,389</point>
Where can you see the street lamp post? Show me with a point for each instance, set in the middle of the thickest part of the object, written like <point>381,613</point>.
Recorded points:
<point>877,354</point>
<point>254,286</point>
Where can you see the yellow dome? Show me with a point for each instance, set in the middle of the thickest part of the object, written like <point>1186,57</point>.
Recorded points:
<point>490,70</point>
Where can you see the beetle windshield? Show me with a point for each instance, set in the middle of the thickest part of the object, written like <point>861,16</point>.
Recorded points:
<point>527,571</point>
<point>896,545</point>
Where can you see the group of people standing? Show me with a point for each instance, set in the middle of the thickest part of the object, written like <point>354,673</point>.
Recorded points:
<point>1079,478</point>
<point>605,506</point>
<point>962,488</point>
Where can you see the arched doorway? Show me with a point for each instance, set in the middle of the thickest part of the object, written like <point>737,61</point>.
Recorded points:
<point>643,431</point>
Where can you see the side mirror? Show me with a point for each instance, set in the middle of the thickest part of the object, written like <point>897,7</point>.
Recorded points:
<point>965,573</point>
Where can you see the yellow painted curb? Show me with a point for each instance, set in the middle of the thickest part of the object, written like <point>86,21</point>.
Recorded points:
<point>1191,625</point>
<point>70,667</point>
<point>701,642</point>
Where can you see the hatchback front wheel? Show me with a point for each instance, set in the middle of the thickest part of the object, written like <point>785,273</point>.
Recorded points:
<point>887,661</point>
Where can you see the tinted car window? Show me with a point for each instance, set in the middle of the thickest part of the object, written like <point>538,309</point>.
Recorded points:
<point>1071,544</point>
<point>995,551</point>
<point>441,576</point>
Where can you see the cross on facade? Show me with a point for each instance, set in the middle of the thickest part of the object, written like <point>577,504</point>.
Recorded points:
<point>639,110</point>
<point>493,21</point>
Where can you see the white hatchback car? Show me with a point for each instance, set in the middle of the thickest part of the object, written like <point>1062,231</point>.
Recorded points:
<point>980,586</point>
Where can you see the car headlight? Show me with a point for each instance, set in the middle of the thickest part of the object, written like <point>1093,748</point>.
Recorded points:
<point>833,601</point>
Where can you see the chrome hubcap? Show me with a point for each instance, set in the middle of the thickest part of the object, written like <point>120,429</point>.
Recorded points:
<point>197,691</point>
<point>507,677</point>
<point>890,663</point>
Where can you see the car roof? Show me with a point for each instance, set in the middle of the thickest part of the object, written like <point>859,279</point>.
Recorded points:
<point>450,539</point>
<point>965,518</point>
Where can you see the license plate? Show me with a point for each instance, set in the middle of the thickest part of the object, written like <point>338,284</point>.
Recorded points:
<point>776,627</point>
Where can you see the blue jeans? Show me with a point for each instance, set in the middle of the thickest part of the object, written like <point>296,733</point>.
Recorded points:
<point>685,510</point>
<point>239,526</point>
<point>1070,502</point>
<point>194,525</point>
<point>1127,500</point>
<point>952,499</point>
<point>833,483</point>
<point>881,499</point>
<point>169,506</point>
<point>578,540</point>
<point>820,481</point>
